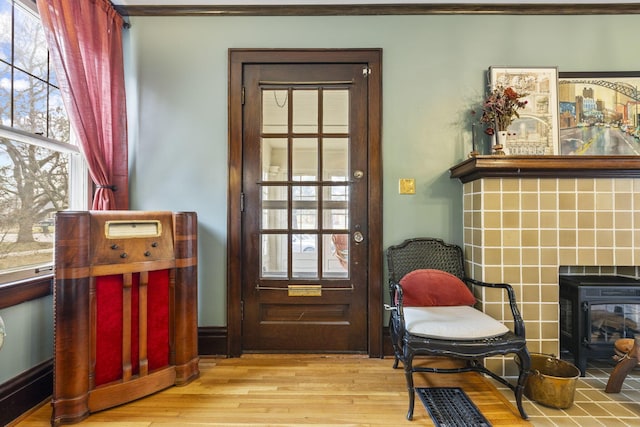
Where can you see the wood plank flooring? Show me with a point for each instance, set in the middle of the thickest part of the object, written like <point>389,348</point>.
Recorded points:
<point>293,390</point>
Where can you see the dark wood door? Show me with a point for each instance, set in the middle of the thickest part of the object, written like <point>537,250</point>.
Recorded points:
<point>305,207</point>
<point>305,210</point>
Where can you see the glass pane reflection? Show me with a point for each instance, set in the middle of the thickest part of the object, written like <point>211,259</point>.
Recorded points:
<point>304,207</point>
<point>30,52</point>
<point>336,256</point>
<point>5,42</point>
<point>305,159</point>
<point>29,105</point>
<point>48,173</point>
<point>335,110</point>
<point>273,155</point>
<point>5,100</point>
<point>274,256</point>
<point>275,107</point>
<point>304,255</point>
<point>58,124</point>
<point>335,208</point>
<point>274,207</point>
<point>305,111</point>
<point>335,159</point>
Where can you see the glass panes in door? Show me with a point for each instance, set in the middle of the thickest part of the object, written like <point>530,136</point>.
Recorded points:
<point>304,147</point>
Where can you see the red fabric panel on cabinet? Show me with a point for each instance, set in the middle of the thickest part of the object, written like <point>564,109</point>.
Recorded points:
<point>135,315</point>
<point>108,329</point>
<point>158,319</point>
<point>109,325</point>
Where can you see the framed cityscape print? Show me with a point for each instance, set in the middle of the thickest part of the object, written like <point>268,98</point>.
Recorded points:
<point>535,132</point>
<point>599,113</point>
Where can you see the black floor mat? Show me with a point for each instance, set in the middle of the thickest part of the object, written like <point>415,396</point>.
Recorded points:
<point>451,407</point>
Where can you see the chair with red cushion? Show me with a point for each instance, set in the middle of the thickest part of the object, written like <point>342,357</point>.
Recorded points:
<point>433,314</point>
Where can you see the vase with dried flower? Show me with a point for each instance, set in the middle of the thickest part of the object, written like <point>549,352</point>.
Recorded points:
<point>499,110</point>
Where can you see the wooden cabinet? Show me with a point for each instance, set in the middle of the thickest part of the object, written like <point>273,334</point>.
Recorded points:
<point>125,308</point>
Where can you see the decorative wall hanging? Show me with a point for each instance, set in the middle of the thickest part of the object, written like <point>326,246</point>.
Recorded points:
<point>535,130</point>
<point>599,113</point>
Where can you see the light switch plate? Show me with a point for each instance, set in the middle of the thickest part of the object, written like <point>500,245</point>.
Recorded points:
<point>407,186</point>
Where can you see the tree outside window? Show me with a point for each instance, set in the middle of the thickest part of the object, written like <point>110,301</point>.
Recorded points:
<point>35,154</point>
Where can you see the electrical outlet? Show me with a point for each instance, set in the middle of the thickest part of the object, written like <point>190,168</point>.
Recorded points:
<point>407,186</point>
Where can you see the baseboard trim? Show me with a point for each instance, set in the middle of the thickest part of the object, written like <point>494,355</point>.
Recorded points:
<point>25,391</point>
<point>212,341</point>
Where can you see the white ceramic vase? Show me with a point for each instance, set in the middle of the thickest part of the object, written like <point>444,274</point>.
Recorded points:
<point>501,137</point>
<point>499,141</point>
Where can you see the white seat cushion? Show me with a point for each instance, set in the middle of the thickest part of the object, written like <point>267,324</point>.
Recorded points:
<point>453,322</point>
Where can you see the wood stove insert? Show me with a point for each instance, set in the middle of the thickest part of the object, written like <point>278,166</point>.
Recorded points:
<point>595,311</point>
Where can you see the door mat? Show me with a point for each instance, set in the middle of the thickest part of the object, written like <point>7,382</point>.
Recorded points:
<point>451,407</point>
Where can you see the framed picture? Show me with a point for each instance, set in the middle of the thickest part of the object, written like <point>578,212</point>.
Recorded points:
<point>536,131</point>
<point>599,113</point>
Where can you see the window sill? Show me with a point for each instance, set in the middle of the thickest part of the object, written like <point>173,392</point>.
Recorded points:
<point>18,292</point>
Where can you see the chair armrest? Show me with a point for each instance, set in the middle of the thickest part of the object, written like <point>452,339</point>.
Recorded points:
<point>395,289</point>
<point>518,325</point>
<point>395,307</point>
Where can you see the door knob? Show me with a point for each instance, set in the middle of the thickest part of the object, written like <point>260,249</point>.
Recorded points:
<point>358,237</point>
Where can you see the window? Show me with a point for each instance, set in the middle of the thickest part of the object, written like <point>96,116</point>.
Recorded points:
<point>38,163</point>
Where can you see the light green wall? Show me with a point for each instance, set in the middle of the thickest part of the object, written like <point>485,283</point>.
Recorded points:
<point>29,339</point>
<point>433,73</point>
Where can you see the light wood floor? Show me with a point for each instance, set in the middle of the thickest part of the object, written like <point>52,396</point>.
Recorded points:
<point>293,390</point>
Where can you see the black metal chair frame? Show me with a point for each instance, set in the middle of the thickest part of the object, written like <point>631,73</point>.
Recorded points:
<point>430,253</point>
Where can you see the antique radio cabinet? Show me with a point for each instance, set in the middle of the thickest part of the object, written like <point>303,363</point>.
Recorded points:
<point>125,298</point>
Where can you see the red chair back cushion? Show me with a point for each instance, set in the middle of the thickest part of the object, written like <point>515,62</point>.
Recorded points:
<point>427,288</point>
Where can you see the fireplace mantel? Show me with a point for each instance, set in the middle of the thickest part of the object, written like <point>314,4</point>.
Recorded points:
<point>527,219</point>
<point>486,166</point>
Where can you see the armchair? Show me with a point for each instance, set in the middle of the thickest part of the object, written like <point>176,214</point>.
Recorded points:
<point>432,314</point>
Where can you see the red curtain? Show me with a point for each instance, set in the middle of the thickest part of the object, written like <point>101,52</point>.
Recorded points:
<point>85,42</point>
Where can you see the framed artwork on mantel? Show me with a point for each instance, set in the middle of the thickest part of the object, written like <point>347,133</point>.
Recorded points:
<point>599,113</point>
<point>535,132</point>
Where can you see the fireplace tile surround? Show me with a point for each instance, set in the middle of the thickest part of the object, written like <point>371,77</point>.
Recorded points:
<point>526,231</point>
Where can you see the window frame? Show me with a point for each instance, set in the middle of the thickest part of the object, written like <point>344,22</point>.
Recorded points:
<point>35,281</point>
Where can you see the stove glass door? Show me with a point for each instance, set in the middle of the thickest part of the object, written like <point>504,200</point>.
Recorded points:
<point>610,322</point>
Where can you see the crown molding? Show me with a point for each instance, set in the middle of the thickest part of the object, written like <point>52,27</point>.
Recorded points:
<point>384,9</point>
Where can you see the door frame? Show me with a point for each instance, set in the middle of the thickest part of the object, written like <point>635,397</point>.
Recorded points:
<point>237,59</point>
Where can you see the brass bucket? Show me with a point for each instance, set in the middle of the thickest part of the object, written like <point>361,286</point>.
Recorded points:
<point>551,381</point>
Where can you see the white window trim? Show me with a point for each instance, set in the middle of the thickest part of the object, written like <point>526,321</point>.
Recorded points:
<point>35,139</point>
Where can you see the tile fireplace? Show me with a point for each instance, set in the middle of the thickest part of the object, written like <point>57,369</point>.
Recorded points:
<point>527,220</point>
